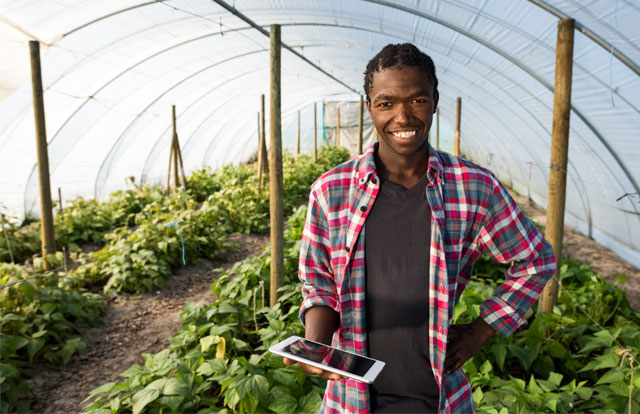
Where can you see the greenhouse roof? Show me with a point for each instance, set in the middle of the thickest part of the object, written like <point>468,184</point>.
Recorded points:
<point>113,69</point>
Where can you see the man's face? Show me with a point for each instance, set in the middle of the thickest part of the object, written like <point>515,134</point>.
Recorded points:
<point>402,104</point>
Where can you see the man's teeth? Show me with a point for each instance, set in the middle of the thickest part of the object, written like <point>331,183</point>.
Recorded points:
<point>404,134</point>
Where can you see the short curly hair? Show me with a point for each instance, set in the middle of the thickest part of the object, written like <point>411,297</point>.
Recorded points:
<point>405,54</point>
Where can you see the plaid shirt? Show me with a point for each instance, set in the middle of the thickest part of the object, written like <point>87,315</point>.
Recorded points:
<point>472,213</point>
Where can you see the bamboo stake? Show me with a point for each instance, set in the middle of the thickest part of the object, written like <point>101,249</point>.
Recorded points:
<point>559,155</point>
<point>178,150</point>
<point>46,208</point>
<point>298,136</point>
<point>360,115</point>
<point>169,171</point>
<point>338,129</point>
<point>438,129</point>
<point>276,194</point>
<point>315,133</point>
<point>456,143</point>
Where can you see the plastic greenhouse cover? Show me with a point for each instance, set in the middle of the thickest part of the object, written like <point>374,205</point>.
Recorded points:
<point>112,70</point>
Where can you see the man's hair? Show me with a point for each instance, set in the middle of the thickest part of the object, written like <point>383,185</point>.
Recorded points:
<point>405,54</point>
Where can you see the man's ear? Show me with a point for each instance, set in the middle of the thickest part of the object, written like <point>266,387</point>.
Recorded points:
<point>436,98</point>
<point>368,103</point>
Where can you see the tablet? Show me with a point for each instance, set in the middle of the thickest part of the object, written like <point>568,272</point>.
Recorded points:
<point>346,364</point>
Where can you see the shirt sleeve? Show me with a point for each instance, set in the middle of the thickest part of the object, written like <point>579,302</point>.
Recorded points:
<point>315,269</point>
<point>509,236</point>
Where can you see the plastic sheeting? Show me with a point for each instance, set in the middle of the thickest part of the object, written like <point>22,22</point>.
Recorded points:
<point>113,69</point>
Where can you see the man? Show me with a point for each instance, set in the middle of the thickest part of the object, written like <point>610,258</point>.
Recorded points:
<point>389,292</point>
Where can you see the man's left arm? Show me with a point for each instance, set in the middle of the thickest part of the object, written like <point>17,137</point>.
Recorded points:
<point>507,236</point>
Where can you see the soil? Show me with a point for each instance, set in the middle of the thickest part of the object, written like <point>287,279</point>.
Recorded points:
<point>140,324</point>
<point>131,326</point>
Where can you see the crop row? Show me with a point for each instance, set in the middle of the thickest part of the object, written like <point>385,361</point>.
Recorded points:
<point>42,316</point>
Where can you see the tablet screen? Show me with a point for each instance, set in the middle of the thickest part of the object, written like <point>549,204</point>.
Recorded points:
<point>332,357</point>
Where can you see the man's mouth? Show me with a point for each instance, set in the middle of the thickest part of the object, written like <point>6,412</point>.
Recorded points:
<point>404,134</point>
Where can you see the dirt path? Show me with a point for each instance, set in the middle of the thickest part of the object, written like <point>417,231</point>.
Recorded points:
<point>130,327</point>
<point>579,246</point>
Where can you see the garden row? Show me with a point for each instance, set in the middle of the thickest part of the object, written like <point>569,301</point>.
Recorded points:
<point>41,317</point>
<point>562,362</point>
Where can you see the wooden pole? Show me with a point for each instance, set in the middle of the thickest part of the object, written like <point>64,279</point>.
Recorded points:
<point>298,136</point>
<point>169,171</point>
<point>276,194</point>
<point>456,143</point>
<point>559,155</point>
<point>264,169</point>
<point>259,146</point>
<point>360,115</point>
<point>46,208</point>
<point>60,202</point>
<point>315,133</point>
<point>174,145</point>
<point>438,129</point>
<point>338,129</point>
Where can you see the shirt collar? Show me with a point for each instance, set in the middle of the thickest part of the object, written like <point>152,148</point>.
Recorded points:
<point>368,166</point>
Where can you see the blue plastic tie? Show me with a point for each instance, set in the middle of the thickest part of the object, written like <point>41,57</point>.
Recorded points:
<point>173,224</point>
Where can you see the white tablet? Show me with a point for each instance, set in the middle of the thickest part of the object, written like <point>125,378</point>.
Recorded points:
<point>329,358</point>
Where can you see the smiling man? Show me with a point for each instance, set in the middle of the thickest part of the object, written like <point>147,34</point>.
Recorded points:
<point>389,243</point>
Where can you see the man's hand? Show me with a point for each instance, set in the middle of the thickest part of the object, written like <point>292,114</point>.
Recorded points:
<point>464,341</point>
<point>321,323</point>
<point>311,370</point>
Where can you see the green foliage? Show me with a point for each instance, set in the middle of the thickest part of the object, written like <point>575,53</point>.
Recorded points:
<point>40,318</point>
<point>218,360</point>
<point>562,362</point>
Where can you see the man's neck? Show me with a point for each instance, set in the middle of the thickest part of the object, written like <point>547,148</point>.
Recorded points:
<point>405,171</point>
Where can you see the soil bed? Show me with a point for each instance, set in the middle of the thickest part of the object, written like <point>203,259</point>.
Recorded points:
<point>131,326</point>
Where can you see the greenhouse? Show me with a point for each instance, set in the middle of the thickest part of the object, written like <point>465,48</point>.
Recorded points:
<point>157,159</point>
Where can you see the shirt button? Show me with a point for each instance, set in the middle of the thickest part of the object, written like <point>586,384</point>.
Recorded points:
<point>363,208</point>
<point>373,180</point>
<point>347,249</point>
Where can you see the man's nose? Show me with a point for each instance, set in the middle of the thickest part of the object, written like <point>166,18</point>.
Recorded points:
<point>403,113</point>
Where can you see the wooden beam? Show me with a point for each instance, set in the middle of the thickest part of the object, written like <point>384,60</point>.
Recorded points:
<point>262,163</point>
<point>559,156</point>
<point>456,142</point>
<point>46,207</point>
<point>174,140</point>
<point>276,194</point>
<point>315,133</point>
<point>360,115</point>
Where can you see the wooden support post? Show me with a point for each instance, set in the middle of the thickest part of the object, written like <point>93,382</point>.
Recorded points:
<point>298,136</point>
<point>263,147</point>
<point>174,140</point>
<point>360,115</point>
<point>559,156</point>
<point>456,143</point>
<point>375,134</point>
<point>276,194</point>
<point>438,129</point>
<point>46,209</point>
<point>338,129</point>
<point>315,133</point>
<point>259,146</point>
<point>60,202</point>
<point>169,170</point>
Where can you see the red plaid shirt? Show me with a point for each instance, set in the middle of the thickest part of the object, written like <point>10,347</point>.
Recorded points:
<point>472,214</point>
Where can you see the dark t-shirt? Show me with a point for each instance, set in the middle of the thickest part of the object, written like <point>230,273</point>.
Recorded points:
<point>397,237</point>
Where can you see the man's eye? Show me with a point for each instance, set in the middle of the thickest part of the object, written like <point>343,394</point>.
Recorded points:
<point>384,104</point>
<point>420,100</point>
